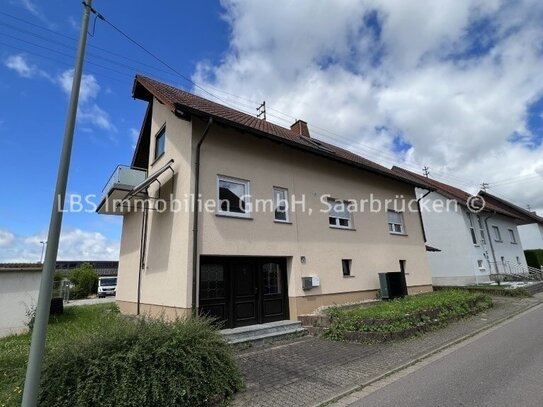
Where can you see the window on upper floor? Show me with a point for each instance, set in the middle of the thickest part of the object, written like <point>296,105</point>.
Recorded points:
<point>472,229</point>
<point>395,223</point>
<point>481,229</point>
<point>233,197</point>
<point>339,215</point>
<point>160,142</point>
<point>512,236</point>
<point>497,234</point>
<point>280,204</point>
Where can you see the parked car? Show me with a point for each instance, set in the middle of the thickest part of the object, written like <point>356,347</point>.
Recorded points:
<point>107,286</point>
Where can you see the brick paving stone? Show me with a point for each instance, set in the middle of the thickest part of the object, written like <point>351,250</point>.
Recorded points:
<point>307,371</point>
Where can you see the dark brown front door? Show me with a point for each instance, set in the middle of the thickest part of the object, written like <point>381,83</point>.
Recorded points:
<point>244,293</point>
<point>240,291</point>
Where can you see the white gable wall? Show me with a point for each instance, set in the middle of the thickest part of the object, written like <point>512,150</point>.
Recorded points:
<point>531,236</point>
<point>459,261</point>
<point>512,253</point>
<point>447,231</point>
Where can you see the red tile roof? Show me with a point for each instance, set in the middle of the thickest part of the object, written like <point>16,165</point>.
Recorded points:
<point>176,99</point>
<point>455,193</point>
<point>20,266</point>
<point>530,217</point>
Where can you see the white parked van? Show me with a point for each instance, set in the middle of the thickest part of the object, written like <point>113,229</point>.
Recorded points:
<point>107,286</point>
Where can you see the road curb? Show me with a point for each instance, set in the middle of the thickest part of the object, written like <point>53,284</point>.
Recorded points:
<point>454,342</point>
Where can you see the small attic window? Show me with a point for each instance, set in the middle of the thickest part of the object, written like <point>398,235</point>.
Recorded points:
<point>318,144</point>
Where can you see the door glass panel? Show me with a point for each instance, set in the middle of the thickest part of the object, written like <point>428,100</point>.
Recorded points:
<point>272,278</point>
<point>211,281</point>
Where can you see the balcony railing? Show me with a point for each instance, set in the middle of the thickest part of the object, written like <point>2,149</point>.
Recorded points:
<point>124,177</point>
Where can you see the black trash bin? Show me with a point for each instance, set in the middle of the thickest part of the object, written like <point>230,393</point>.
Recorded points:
<point>393,285</point>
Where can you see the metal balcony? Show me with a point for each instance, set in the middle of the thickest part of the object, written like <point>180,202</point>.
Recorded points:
<point>120,184</point>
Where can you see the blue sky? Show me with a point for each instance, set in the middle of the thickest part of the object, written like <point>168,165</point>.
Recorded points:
<point>33,104</point>
<point>453,85</point>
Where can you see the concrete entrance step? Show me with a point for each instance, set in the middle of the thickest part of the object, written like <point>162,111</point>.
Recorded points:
<point>262,333</point>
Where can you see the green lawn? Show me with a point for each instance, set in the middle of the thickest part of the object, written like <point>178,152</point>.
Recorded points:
<point>75,321</point>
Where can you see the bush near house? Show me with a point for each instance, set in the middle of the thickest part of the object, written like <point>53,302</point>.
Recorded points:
<point>143,363</point>
<point>94,356</point>
<point>405,317</point>
<point>534,258</point>
<point>85,281</point>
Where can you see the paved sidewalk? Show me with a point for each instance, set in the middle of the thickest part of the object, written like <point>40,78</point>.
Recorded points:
<point>89,301</point>
<point>309,371</point>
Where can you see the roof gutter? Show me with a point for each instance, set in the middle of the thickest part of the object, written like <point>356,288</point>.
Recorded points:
<point>196,212</point>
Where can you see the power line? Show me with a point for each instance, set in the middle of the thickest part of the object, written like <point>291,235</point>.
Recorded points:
<point>328,134</point>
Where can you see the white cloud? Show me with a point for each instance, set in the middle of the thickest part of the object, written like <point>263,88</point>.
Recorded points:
<point>89,85</point>
<point>453,79</point>
<point>89,112</point>
<point>75,244</point>
<point>32,8</point>
<point>96,116</point>
<point>73,23</point>
<point>134,135</point>
<point>6,237</point>
<point>19,64</point>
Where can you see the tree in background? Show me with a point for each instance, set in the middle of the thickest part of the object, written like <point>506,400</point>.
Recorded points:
<point>534,258</point>
<point>85,281</point>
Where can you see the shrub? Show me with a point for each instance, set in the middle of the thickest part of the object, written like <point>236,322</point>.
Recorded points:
<point>142,363</point>
<point>85,281</point>
<point>534,258</point>
<point>409,312</point>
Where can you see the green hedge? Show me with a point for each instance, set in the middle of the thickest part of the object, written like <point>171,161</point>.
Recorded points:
<point>142,363</point>
<point>534,258</point>
<point>404,314</point>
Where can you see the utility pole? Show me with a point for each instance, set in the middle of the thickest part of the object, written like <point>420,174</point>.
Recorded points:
<point>426,171</point>
<point>43,243</point>
<point>485,186</point>
<point>37,346</point>
<point>261,111</point>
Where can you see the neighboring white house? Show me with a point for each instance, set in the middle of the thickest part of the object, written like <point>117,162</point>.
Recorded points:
<point>19,286</point>
<point>474,244</point>
<point>531,236</point>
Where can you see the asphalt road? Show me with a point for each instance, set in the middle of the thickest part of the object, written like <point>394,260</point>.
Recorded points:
<point>502,368</point>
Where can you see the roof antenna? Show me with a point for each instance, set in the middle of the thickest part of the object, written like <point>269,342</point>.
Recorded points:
<point>261,111</point>
<point>485,186</point>
<point>426,171</point>
<point>529,207</point>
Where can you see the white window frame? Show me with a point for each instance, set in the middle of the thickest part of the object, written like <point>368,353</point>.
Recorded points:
<point>246,184</point>
<point>275,204</point>
<point>512,236</point>
<point>480,264</point>
<point>160,133</point>
<point>391,224</point>
<point>337,225</point>
<point>497,233</point>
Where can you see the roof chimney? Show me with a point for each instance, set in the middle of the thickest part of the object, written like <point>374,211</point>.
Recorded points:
<point>300,128</point>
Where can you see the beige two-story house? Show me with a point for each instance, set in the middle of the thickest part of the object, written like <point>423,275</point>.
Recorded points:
<point>278,229</point>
